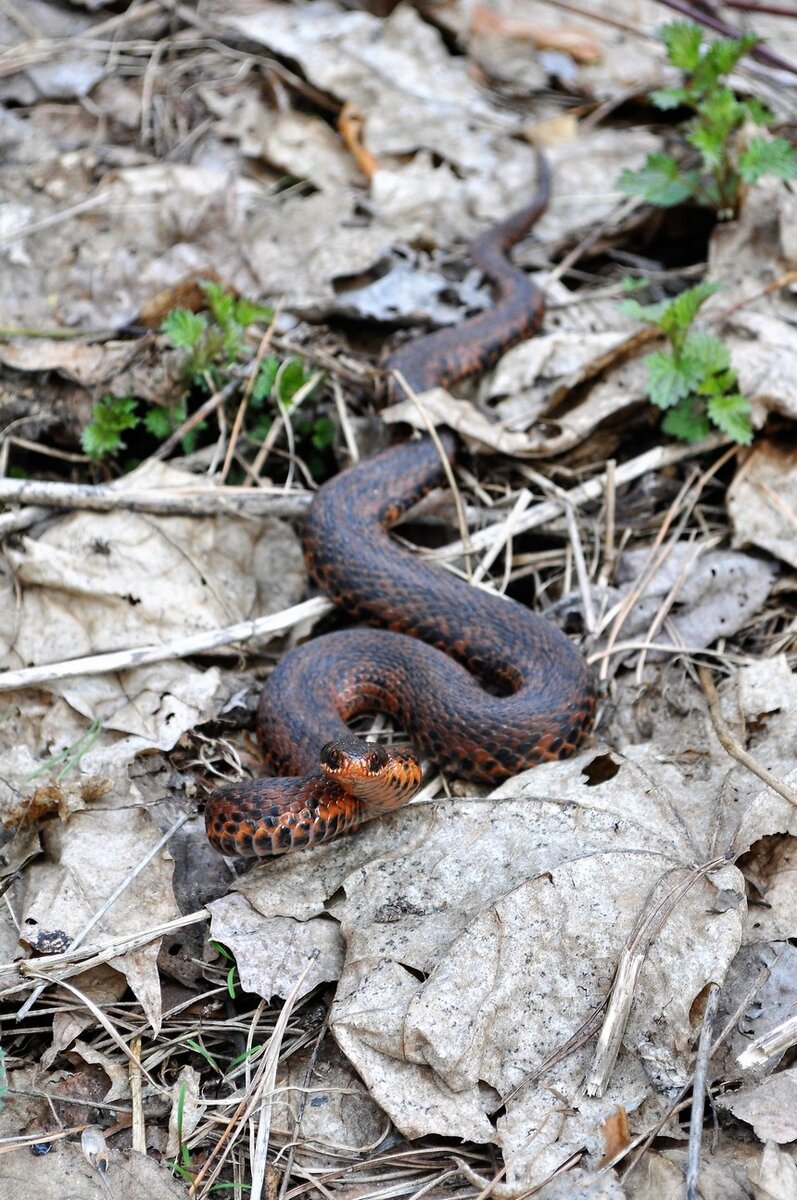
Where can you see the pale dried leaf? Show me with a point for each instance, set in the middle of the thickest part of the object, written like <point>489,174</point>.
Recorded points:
<point>272,952</point>
<point>66,1172</point>
<point>762,501</point>
<point>775,1176</point>
<point>87,859</point>
<point>770,1107</point>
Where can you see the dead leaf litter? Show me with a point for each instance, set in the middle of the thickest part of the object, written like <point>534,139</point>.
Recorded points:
<point>504,993</point>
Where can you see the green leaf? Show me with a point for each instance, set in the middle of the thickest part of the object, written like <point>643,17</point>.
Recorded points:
<point>290,377</point>
<point>220,301</point>
<point>158,422</point>
<point>705,355</point>
<point>763,156</point>
<point>681,312</point>
<point>323,433</point>
<point>658,182</point>
<point>634,283</point>
<point>651,314</point>
<point>722,112</point>
<point>731,414</point>
<point>687,421</point>
<point>667,383</point>
<point>247,312</point>
<point>261,389</point>
<point>198,1048</point>
<point>110,417</point>
<point>669,98</point>
<point>184,328</point>
<point>758,112</point>
<point>723,55</point>
<point>683,40</point>
<point>710,141</point>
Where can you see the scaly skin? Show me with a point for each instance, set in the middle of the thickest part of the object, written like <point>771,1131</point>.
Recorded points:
<point>433,686</point>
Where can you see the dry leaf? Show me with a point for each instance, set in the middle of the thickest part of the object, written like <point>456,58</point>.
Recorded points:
<point>272,952</point>
<point>762,501</point>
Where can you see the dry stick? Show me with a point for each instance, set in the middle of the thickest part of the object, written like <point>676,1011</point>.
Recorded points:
<point>122,660</point>
<point>775,1041</point>
<point>698,1093</point>
<point>661,614</point>
<point>345,421</point>
<point>134,1073</point>
<point>631,961</point>
<point>211,404</point>
<point>774,10</point>
<point>592,489</point>
<point>112,1032</point>
<point>729,743</point>
<point>199,500</point>
<point>75,961</point>
<point>655,559</point>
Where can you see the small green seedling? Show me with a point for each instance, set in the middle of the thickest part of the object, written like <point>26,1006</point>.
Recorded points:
<point>717,131</point>
<point>693,381</point>
<point>110,418</point>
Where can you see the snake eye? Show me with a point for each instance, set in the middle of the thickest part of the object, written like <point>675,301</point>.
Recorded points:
<point>375,759</point>
<point>330,756</point>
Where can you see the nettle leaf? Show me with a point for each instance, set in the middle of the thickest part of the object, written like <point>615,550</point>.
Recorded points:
<point>667,382</point>
<point>323,434</point>
<point>220,301</point>
<point>717,385</point>
<point>651,314</point>
<point>731,414</point>
<point>758,112</point>
<point>184,328</point>
<point>658,182</point>
<point>707,352</point>
<point>158,422</point>
<point>110,417</point>
<point>768,156</point>
<point>247,312</point>
<point>722,112</point>
<point>710,141</point>
<point>723,55</point>
<point>681,311</point>
<point>687,421</point>
<point>683,40</point>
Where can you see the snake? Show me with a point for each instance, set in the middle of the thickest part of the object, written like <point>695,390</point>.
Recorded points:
<point>483,686</point>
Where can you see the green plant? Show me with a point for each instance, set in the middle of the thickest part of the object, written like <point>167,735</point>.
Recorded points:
<point>110,418</point>
<point>232,971</point>
<point>213,344</point>
<point>214,340</point>
<point>693,381</point>
<point>727,158</point>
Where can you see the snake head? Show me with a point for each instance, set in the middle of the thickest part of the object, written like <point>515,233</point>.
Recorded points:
<point>382,778</point>
<point>351,757</point>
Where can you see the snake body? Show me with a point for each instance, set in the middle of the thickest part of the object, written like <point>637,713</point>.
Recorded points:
<point>484,686</point>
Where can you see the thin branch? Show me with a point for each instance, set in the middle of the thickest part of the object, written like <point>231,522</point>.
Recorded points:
<point>729,743</point>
